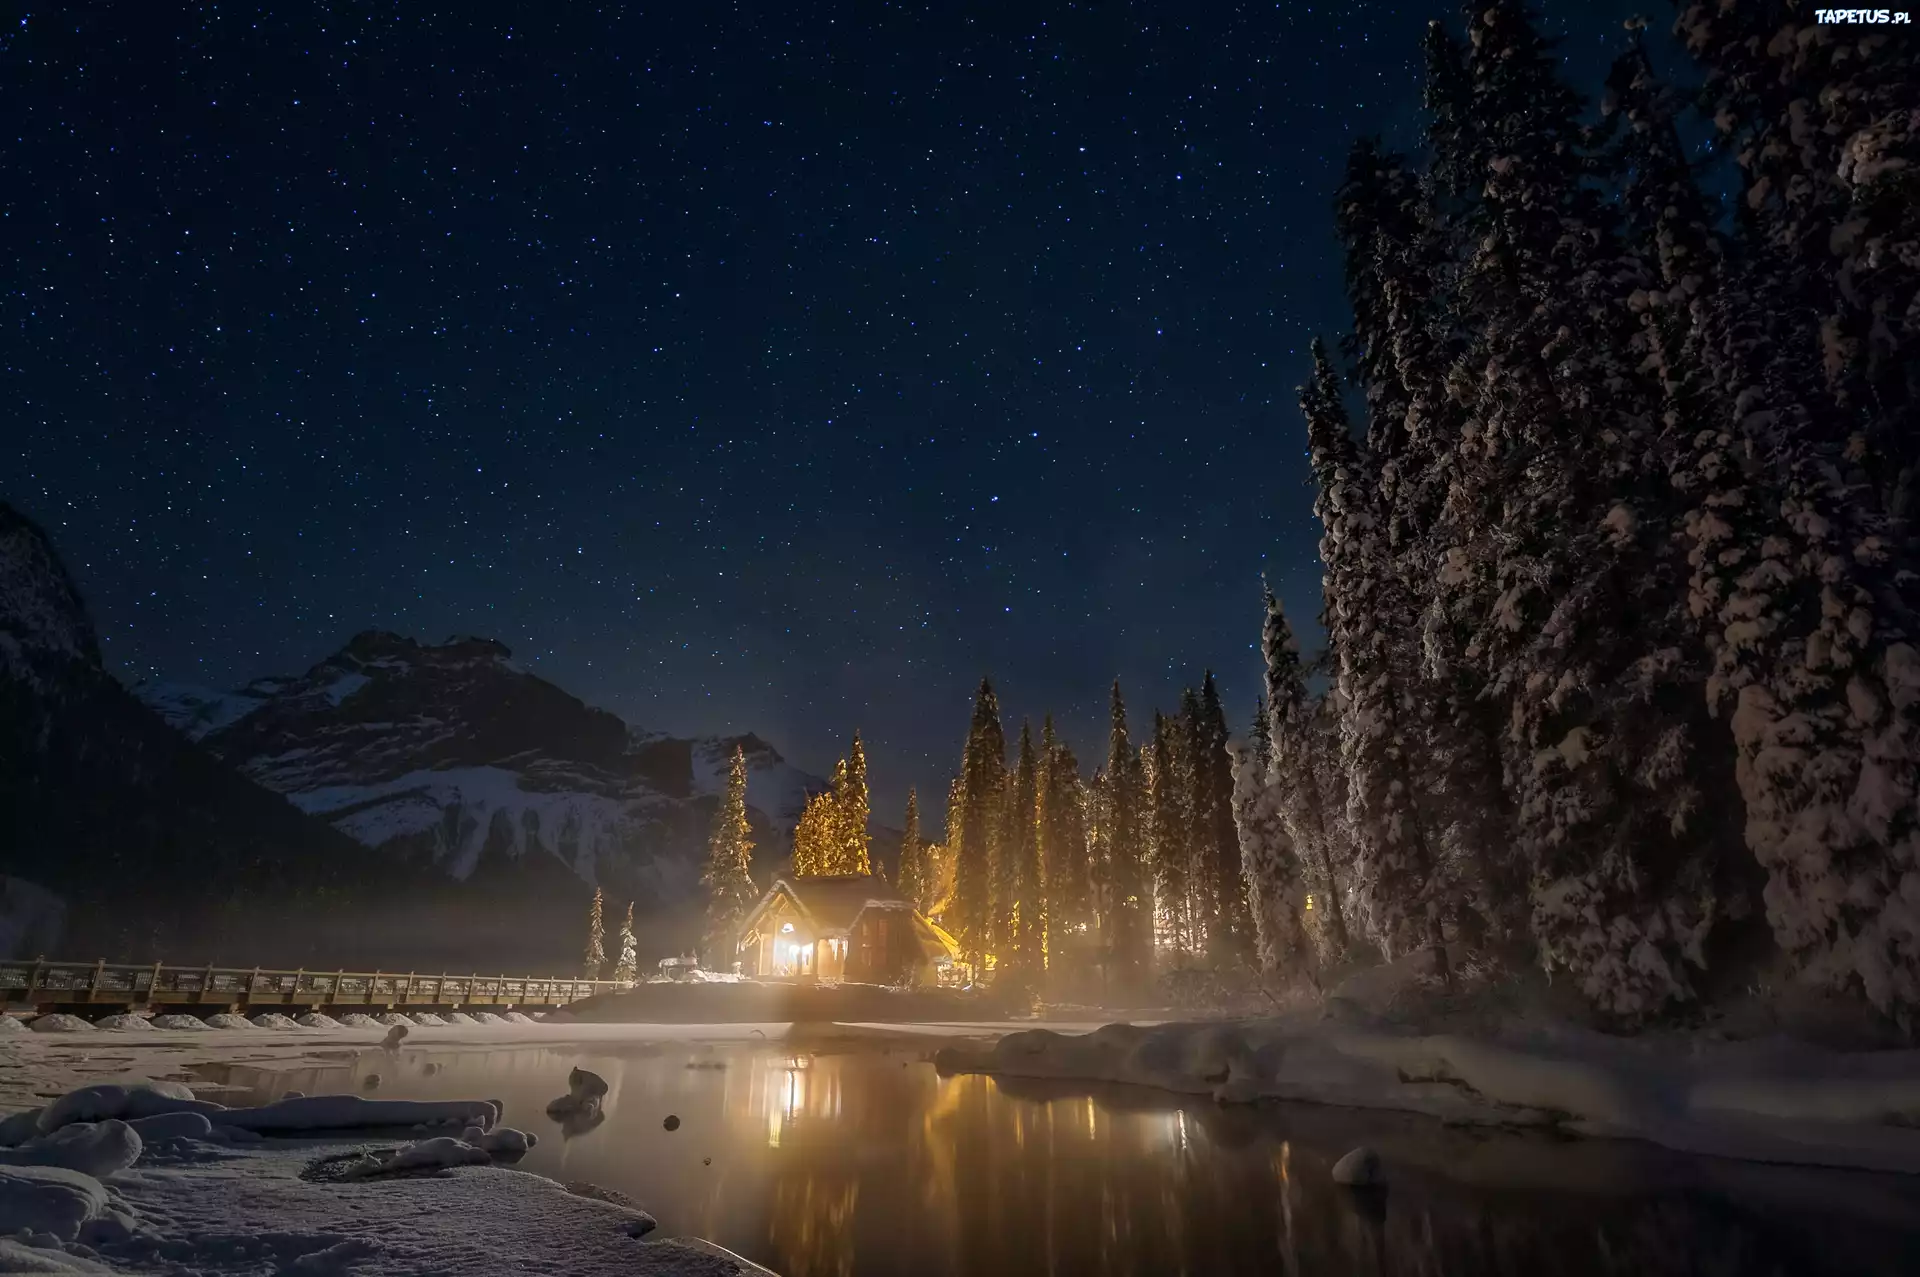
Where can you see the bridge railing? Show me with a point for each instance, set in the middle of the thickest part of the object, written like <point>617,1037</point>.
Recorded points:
<point>158,984</point>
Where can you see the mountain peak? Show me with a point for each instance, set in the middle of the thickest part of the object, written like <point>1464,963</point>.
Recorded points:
<point>43,622</point>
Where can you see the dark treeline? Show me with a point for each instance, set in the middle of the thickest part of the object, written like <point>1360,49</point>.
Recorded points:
<point>1619,566</point>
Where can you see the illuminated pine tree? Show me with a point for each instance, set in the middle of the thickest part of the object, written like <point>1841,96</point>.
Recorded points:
<point>983,786</point>
<point>1020,853</point>
<point>728,878</point>
<point>816,836</point>
<point>1130,926</point>
<point>1166,830</point>
<point>596,959</point>
<point>626,968</point>
<point>1063,841</point>
<point>914,867</point>
<point>852,813</point>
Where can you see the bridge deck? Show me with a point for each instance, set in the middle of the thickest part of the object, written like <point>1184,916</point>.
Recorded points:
<point>122,986</point>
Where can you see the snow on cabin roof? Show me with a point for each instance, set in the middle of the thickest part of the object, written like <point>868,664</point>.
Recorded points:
<point>832,902</point>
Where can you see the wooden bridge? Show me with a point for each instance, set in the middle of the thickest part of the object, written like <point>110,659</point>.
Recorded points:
<point>118,986</point>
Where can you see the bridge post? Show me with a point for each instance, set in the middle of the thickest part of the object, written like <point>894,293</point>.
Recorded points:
<point>333,999</point>
<point>93,984</point>
<point>299,978</point>
<point>153,985</point>
<point>33,980</point>
<point>373,990</point>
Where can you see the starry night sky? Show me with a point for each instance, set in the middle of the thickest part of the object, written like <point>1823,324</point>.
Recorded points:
<point>776,367</point>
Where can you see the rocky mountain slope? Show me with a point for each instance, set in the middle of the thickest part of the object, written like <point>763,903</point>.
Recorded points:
<point>117,835</point>
<point>451,758</point>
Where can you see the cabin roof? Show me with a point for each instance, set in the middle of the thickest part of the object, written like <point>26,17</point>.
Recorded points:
<point>832,902</point>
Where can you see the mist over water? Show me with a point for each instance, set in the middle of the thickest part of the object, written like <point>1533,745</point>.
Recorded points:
<point>869,1164</point>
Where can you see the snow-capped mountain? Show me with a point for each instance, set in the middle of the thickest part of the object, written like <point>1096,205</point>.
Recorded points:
<point>452,755</point>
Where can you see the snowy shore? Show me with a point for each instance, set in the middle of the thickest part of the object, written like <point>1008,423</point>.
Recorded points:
<point>1769,1100</point>
<point>134,1176</point>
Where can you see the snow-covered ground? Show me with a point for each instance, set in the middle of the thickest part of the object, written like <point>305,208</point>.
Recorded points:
<point>1765,1100</point>
<point>146,1177</point>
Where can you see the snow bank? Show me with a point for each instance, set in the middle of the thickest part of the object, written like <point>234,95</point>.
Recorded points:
<point>432,1205</point>
<point>60,1022</point>
<point>98,1149</point>
<point>1765,1101</point>
<point>45,1200</point>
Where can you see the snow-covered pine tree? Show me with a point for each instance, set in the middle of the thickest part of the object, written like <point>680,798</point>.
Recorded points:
<point>983,787</point>
<point>1165,837</point>
<point>728,876</point>
<point>1271,867</point>
<point>596,957</point>
<point>1130,897</point>
<point>626,969</point>
<point>1807,593</point>
<point>1020,851</point>
<point>1583,638</point>
<point>1099,852</point>
<point>1231,940</point>
<point>1394,876</point>
<point>1294,747</point>
<point>914,868</point>
<point>1824,120</point>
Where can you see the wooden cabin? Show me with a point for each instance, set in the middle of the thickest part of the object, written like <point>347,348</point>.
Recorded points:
<point>852,927</point>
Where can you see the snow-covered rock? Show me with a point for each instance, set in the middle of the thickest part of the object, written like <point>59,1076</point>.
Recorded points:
<point>19,1257</point>
<point>1358,1169</point>
<point>174,1020</point>
<point>98,1149</point>
<point>49,1200</point>
<point>273,1020</point>
<point>228,1020</point>
<point>124,1020</point>
<point>60,1022</point>
<point>425,1155</point>
<point>317,1020</point>
<point>352,1112</point>
<point>8,1024</point>
<point>427,1019</point>
<point>172,1126</point>
<point>359,1020</point>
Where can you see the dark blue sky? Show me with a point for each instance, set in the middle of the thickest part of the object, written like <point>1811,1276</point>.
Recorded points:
<point>772,366</point>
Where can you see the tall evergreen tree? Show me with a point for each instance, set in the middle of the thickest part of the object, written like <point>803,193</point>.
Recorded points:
<point>1272,869</point>
<point>1400,894</point>
<point>1129,927</point>
<point>915,869</point>
<point>728,876</point>
<point>983,787</point>
<point>1290,732</point>
<point>1063,842</point>
<point>1165,836</point>
<point>595,962</point>
<point>1231,939</point>
<point>816,836</point>
<point>626,968</point>
<point>1020,851</point>
<point>854,813</point>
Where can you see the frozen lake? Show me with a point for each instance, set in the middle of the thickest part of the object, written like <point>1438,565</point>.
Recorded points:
<point>869,1164</point>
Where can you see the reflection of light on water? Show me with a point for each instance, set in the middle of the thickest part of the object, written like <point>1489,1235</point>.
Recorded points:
<point>787,1096</point>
